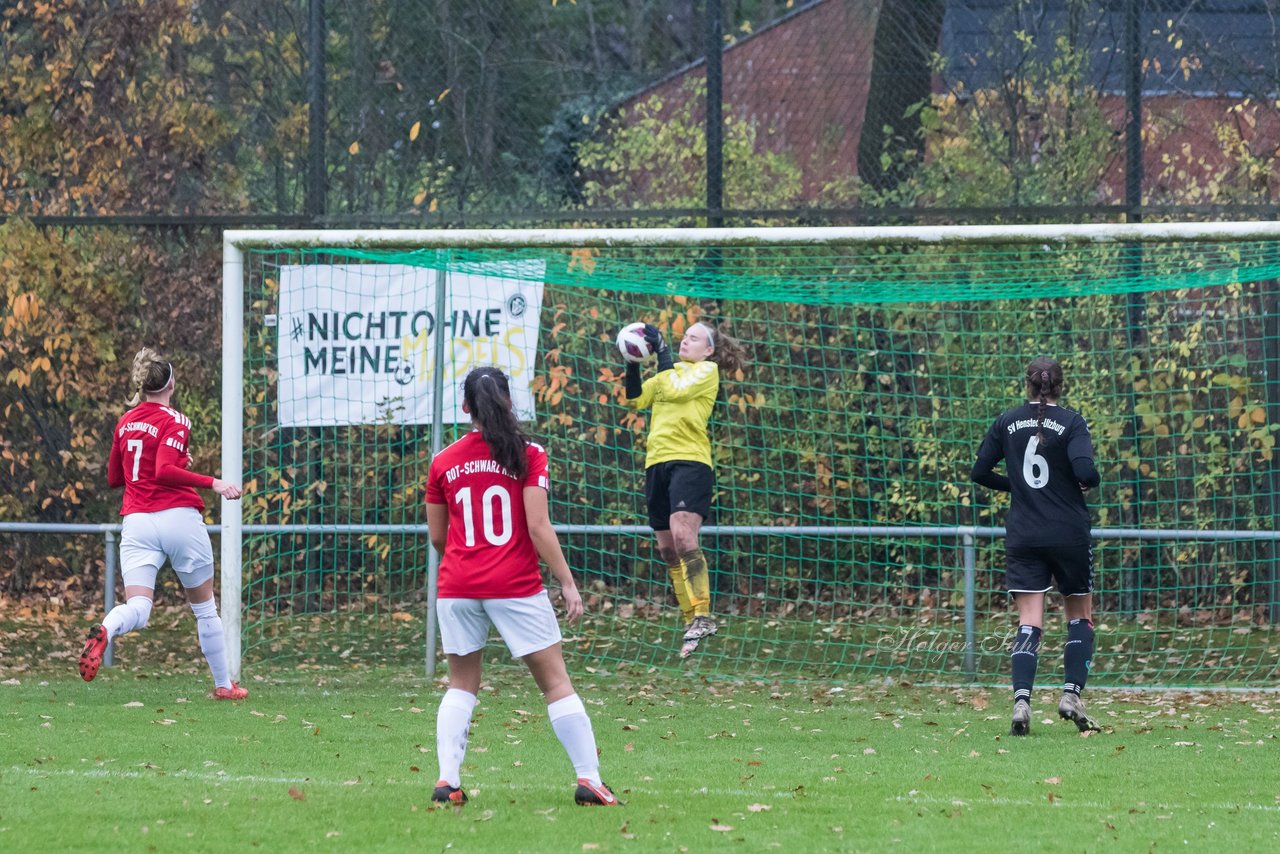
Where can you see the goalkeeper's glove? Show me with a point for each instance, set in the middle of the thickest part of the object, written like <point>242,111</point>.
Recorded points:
<point>660,348</point>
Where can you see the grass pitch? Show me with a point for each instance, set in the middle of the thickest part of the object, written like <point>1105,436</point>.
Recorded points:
<point>328,759</point>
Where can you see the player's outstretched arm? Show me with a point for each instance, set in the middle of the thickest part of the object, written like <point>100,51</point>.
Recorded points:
<point>632,382</point>
<point>660,347</point>
<point>537,513</point>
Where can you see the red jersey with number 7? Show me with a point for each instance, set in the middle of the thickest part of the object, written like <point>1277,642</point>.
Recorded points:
<point>149,459</point>
<point>488,553</point>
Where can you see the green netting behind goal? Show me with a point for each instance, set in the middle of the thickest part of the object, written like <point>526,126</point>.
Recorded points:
<point>846,539</point>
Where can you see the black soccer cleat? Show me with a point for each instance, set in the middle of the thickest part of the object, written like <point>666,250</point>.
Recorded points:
<point>446,794</point>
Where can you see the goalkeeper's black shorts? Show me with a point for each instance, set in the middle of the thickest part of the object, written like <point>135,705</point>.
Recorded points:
<point>677,486</point>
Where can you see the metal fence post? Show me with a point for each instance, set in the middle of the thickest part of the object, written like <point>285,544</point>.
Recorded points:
<point>437,442</point>
<point>970,635</point>
<point>109,595</point>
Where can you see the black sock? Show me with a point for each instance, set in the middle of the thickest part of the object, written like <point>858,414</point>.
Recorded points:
<point>1078,654</point>
<point>1025,648</point>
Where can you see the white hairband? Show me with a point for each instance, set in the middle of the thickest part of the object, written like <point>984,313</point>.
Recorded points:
<point>711,333</point>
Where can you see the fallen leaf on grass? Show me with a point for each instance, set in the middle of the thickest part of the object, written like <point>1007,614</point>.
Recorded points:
<point>296,794</point>
<point>1053,781</point>
<point>722,828</point>
<point>759,807</point>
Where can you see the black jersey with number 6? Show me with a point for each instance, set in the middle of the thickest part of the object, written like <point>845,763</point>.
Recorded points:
<point>1047,506</point>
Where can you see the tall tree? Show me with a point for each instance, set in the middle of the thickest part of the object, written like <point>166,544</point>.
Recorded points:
<point>901,79</point>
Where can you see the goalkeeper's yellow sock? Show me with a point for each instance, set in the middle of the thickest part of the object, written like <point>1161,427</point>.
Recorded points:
<point>695,573</point>
<point>681,587</point>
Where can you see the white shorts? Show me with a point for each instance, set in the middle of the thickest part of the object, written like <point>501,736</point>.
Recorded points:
<point>526,625</point>
<point>178,534</point>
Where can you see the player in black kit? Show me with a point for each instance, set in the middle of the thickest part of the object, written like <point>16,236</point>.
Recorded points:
<point>1048,458</point>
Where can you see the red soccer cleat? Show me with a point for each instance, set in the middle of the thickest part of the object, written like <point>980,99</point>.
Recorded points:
<point>591,795</point>
<point>91,657</point>
<point>235,692</point>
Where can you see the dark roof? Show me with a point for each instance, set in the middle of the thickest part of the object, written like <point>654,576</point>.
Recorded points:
<point>1202,47</point>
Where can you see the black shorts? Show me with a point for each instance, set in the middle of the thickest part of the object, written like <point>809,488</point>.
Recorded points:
<point>1034,569</point>
<point>677,486</point>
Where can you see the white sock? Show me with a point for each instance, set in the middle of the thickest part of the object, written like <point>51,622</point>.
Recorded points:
<point>127,617</point>
<point>569,719</point>
<point>453,725</point>
<point>213,643</point>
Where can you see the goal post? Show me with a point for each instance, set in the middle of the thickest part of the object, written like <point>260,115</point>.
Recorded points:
<point>846,540</point>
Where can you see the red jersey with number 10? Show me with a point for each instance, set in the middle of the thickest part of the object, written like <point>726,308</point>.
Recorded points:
<point>488,553</point>
<point>149,459</point>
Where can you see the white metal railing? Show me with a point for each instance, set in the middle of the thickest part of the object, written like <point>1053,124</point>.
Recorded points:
<point>968,535</point>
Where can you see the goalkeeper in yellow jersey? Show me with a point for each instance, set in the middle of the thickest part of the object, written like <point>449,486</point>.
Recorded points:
<point>679,480</point>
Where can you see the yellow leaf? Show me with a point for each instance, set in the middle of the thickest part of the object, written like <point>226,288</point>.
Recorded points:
<point>440,97</point>
<point>1258,414</point>
<point>420,198</point>
<point>353,149</point>
<point>413,131</point>
<point>432,207</point>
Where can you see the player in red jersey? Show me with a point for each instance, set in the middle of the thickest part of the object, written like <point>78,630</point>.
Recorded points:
<point>162,519</point>
<point>488,513</point>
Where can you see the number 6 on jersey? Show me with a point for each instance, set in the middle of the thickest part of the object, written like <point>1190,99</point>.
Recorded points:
<point>1035,468</point>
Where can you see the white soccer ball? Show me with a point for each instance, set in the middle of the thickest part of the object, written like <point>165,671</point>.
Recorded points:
<point>631,343</point>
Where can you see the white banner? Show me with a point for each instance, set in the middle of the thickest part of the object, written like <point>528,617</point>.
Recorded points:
<point>356,342</point>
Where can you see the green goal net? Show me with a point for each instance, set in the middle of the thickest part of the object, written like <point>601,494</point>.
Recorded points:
<point>846,540</point>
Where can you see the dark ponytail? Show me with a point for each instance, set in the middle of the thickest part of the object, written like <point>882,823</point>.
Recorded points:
<point>727,352</point>
<point>1044,381</point>
<point>488,396</point>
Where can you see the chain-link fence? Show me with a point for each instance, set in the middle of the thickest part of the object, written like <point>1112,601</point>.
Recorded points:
<point>444,112</point>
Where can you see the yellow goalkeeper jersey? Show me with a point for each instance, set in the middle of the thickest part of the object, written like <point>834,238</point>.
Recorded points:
<point>682,399</point>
